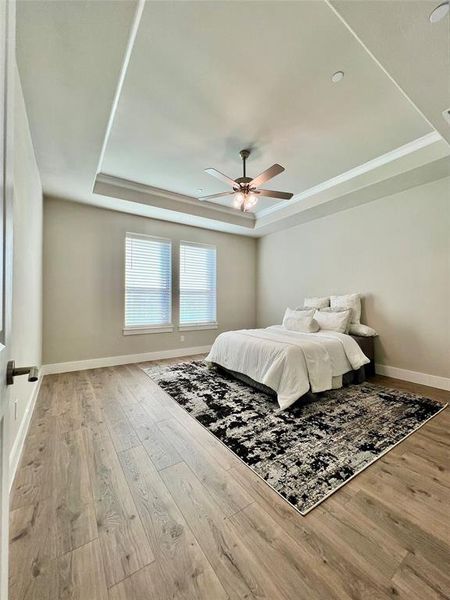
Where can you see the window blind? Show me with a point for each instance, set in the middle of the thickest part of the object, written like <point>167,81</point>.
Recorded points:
<point>148,281</point>
<point>197,284</point>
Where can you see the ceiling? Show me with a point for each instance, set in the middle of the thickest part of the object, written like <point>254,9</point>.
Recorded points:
<point>414,51</point>
<point>135,99</point>
<point>70,57</point>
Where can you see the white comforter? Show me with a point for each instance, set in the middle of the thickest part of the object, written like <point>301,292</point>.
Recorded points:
<point>289,362</point>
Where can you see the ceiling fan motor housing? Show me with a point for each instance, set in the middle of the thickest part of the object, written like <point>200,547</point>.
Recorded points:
<point>243,180</point>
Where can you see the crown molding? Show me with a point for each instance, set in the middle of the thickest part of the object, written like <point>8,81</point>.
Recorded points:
<point>371,165</point>
<point>168,201</point>
<point>421,159</point>
<point>414,163</point>
<point>337,200</point>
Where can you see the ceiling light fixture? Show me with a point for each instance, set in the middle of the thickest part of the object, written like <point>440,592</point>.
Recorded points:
<point>439,12</point>
<point>246,190</point>
<point>338,76</point>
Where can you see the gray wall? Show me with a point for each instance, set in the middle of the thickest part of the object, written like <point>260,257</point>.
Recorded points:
<point>26,338</point>
<point>394,250</point>
<point>84,282</point>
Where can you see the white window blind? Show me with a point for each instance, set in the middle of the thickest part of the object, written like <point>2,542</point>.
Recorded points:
<point>148,282</point>
<point>197,284</point>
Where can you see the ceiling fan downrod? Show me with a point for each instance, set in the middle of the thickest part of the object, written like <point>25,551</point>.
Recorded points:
<point>244,155</point>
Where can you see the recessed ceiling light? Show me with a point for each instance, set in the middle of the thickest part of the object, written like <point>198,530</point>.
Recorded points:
<point>199,189</point>
<point>439,12</point>
<point>337,76</point>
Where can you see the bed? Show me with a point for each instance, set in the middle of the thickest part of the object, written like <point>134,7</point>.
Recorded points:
<point>289,362</point>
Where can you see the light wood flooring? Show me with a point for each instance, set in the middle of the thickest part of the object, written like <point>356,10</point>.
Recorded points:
<point>121,495</point>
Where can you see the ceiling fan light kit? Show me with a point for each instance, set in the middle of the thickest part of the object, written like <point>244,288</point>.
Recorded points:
<point>245,189</point>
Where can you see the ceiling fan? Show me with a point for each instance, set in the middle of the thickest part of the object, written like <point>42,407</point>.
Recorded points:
<point>245,189</point>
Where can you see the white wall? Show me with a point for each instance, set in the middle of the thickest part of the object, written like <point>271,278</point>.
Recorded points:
<point>26,339</point>
<point>394,250</point>
<point>84,283</point>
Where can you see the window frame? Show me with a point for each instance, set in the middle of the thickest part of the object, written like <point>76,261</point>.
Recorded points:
<point>145,329</point>
<point>195,326</point>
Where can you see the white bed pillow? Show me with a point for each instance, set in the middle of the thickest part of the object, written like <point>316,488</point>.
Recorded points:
<point>298,320</point>
<point>339,310</point>
<point>316,302</point>
<point>333,320</point>
<point>360,329</point>
<point>350,301</point>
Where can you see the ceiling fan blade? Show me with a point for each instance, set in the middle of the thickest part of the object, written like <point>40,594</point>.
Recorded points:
<point>216,195</point>
<point>272,194</point>
<point>266,175</point>
<point>222,177</point>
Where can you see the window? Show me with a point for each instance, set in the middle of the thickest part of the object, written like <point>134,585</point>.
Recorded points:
<point>148,284</point>
<point>197,286</point>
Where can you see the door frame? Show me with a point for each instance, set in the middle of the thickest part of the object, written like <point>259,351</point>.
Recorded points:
<point>7,81</point>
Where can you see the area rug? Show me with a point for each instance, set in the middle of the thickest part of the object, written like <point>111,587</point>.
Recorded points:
<point>307,452</point>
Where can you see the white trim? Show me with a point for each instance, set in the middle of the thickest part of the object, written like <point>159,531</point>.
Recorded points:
<point>375,163</point>
<point>184,199</point>
<point>436,381</point>
<point>149,329</point>
<point>16,451</point>
<point>198,327</point>
<point>425,162</point>
<point>112,361</point>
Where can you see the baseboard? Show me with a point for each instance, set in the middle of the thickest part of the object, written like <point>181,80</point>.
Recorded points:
<point>443,383</point>
<point>16,450</point>
<point>112,361</point>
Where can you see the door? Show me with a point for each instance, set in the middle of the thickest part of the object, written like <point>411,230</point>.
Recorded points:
<point>7,73</point>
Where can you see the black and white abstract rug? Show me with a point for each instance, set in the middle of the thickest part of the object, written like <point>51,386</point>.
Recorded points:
<point>308,451</point>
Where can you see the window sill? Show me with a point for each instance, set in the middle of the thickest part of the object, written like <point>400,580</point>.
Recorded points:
<point>198,327</point>
<point>144,330</point>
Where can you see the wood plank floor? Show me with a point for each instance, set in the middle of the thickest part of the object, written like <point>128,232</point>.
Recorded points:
<point>121,495</point>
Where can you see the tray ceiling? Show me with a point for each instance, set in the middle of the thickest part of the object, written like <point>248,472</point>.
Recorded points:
<point>150,94</point>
